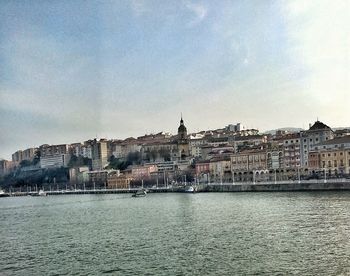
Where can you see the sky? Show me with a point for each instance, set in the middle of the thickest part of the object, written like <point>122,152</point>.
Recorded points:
<point>75,70</point>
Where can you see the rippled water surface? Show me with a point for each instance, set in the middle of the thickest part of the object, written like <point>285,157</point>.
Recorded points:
<point>177,234</point>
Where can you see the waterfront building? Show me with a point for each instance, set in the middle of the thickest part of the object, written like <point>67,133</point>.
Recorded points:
<point>275,158</point>
<point>115,180</point>
<point>54,156</point>
<point>202,167</point>
<point>220,169</point>
<point>144,171</point>
<point>78,175</point>
<point>291,144</point>
<point>99,154</point>
<point>317,133</point>
<point>331,156</point>
<point>98,177</point>
<point>250,165</point>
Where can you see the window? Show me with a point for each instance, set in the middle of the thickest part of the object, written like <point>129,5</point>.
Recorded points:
<point>341,153</point>
<point>329,164</point>
<point>304,140</point>
<point>296,141</point>
<point>324,163</point>
<point>316,139</point>
<point>335,154</point>
<point>286,142</point>
<point>310,140</point>
<point>323,155</point>
<point>335,163</point>
<point>329,154</point>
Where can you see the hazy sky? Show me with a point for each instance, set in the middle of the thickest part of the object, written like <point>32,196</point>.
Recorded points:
<point>71,70</point>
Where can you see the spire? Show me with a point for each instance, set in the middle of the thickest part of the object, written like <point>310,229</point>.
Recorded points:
<point>181,121</point>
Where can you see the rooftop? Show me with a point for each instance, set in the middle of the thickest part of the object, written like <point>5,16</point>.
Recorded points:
<point>319,126</point>
<point>339,140</point>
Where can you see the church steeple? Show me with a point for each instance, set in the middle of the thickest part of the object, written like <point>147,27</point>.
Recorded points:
<point>182,140</point>
<point>182,131</point>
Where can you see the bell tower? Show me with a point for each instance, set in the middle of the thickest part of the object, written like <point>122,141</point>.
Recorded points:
<point>182,141</point>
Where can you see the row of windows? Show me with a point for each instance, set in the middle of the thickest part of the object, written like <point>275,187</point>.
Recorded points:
<point>334,154</point>
<point>335,163</point>
<point>297,141</point>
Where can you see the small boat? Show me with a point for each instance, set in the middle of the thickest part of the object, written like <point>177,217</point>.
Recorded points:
<point>190,189</point>
<point>42,193</point>
<point>3,194</point>
<point>140,193</point>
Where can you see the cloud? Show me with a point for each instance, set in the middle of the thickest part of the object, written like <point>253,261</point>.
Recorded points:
<point>199,12</point>
<point>319,40</point>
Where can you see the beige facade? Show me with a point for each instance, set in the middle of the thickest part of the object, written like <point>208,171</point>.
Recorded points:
<point>220,170</point>
<point>118,181</point>
<point>335,161</point>
<point>249,160</point>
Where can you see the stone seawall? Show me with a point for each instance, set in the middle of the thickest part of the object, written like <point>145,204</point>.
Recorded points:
<point>261,187</point>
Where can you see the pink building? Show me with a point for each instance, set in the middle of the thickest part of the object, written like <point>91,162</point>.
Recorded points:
<point>202,167</point>
<point>139,172</point>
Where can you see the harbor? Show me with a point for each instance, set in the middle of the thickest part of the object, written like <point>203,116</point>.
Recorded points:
<point>268,186</point>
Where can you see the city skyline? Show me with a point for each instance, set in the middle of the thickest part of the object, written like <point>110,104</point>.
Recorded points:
<point>73,71</point>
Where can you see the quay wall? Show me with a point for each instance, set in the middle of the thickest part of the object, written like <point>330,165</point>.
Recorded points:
<point>268,187</point>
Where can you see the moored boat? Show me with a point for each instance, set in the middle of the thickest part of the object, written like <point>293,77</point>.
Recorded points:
<point>42,193</point>
<point>3,194</point>
<point>140,193</point>
<point>190,189</point>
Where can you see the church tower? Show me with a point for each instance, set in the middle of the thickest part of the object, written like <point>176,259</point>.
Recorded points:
<point>182,141</point>
<point>182,131</point>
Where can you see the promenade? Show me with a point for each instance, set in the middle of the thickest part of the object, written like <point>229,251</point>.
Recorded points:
<point>269,186</point>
